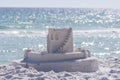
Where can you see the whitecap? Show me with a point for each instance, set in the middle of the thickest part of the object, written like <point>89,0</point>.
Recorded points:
<point>87,43</point>
<point>116,52</point>
<point>23,33</point>
<point>106,48</point>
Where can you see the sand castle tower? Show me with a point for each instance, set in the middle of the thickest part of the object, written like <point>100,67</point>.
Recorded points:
<point>60,40</point>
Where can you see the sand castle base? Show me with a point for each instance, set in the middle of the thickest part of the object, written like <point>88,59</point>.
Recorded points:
<point>82,65</point>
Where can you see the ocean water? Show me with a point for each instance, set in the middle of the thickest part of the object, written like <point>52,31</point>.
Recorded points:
<point>95,29</point>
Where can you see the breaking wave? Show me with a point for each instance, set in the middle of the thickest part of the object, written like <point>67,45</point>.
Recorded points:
<point>42,33</point>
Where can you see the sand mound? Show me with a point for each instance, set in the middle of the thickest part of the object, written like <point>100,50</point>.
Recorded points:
<point>109,69</point>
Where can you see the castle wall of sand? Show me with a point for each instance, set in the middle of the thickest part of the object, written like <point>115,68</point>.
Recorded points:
<point>37,57</point>
<point>83,65</point>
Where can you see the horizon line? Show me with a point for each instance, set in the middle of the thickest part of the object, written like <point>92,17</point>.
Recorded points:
<point>62,7</point>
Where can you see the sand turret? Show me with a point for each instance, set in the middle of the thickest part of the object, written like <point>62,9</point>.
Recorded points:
<point>60,40</point>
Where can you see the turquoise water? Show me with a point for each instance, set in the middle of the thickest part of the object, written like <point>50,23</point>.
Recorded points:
<point>95,29</point>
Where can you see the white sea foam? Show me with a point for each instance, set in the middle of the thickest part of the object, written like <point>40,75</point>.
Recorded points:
<point>100,33</point>
<point>87,43</point>
<point>23,33</point>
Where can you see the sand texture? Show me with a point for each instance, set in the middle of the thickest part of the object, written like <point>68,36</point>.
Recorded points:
<point>109,69</point>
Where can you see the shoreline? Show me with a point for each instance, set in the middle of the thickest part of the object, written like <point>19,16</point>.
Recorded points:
<point>109,69</point>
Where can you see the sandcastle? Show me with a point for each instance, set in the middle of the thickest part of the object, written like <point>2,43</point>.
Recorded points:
<point>60,55</point>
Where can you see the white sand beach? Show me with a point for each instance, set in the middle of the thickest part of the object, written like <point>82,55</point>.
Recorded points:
<point>109,69</point>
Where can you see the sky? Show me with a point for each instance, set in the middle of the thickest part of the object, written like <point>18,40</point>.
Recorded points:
<point>62,3</point>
